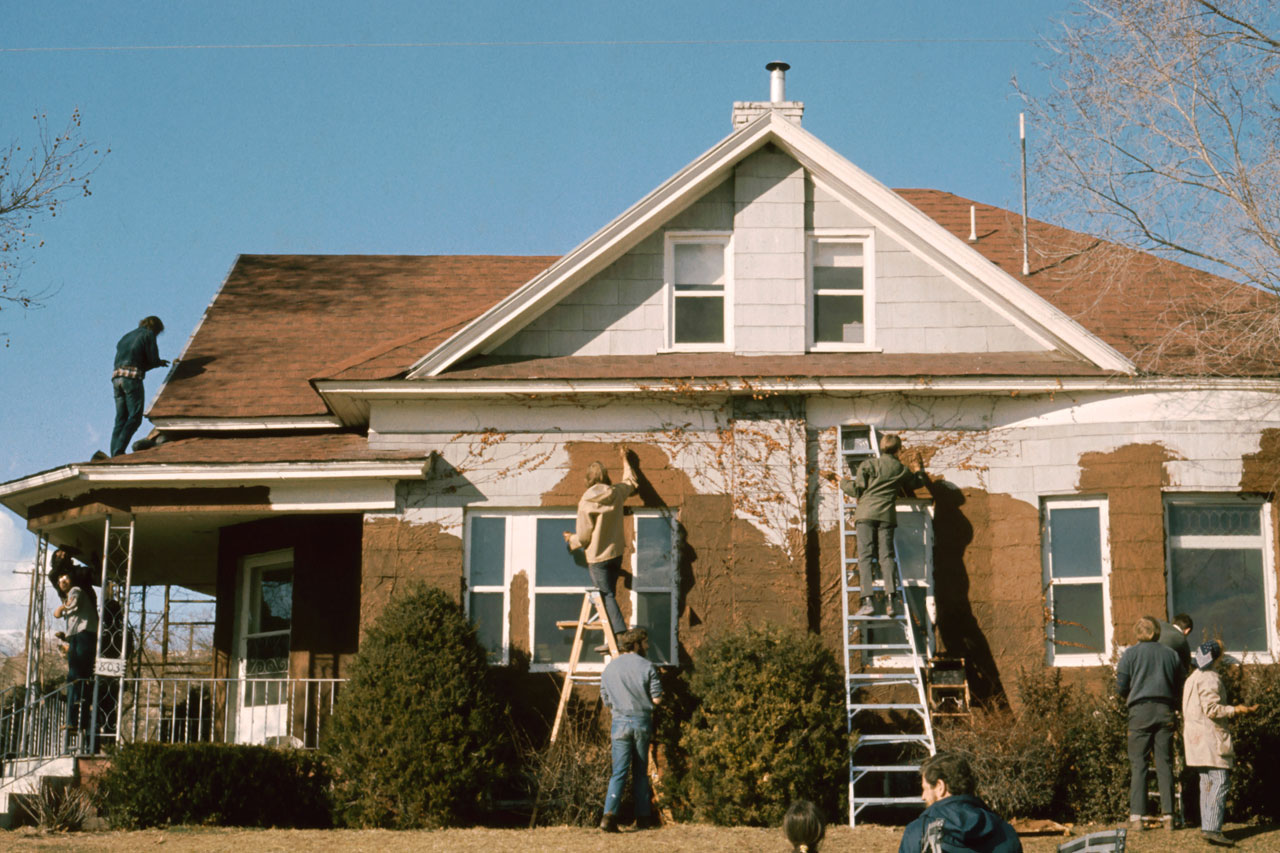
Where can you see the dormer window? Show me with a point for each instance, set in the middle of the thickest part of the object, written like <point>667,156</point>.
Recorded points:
<point>698,271</point>
<point>841,308</point>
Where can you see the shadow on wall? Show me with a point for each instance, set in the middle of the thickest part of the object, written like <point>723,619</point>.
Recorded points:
<point>958,629</point>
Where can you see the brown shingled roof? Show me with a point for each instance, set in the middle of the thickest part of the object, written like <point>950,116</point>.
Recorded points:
<point>275,448</point>
<point>281,320</point>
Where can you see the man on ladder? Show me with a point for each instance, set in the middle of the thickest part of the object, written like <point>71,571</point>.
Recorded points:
<point>599,532</point>
<point>876,486</point>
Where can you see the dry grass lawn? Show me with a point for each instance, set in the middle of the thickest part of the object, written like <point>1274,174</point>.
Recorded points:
<point>865,839</point>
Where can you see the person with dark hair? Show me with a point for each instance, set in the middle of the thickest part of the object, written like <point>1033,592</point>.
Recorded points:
<point>876,486</point>
<point>1207,742</point>
<point>954,814</point>
<point>804,827</point>
<point>81,639</point>
<point>1149,679</point>
<point>1174,635</point>
<point>630,689</point>
<point>136,353</point>
<point>599,532</point>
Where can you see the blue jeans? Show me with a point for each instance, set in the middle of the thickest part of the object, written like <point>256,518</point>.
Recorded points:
<point>604,576</point>
<point>631,736</point>
<point>129,400</point>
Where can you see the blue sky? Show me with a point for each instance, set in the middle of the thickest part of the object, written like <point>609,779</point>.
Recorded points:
<point>432,128</point>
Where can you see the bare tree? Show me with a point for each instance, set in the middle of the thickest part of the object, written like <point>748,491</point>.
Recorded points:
<point>35,182</point>
<point>1163,135</point>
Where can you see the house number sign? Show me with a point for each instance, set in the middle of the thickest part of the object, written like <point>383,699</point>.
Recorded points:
<point>109,666</point>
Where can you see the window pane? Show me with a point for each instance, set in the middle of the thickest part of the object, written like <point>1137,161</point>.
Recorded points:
<point>699,263</point>
<point>1223,591</point>
<point>1077,619</point>
<point>1075,543</point>
<point>838,255</point>
<point>486,615</point>
<point>655,557</point>
<point>556,564</point>
<point>838,319</point>
<point>1214,520</point>
<point>837,278</point>
<point>552,644</point>
<point>909,545</point>
<point>275,601</point>
<point>857,439</point>
<point>653,612</point>
<point>699,319</point>
<point>488,551</point>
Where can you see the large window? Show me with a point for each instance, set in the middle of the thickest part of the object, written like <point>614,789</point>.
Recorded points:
<point>1220,571</point>
<point>698,273</point>
<point>913,546</point>
<point>1077,568</point>
<point>503,546</point>
<point>840,300</point>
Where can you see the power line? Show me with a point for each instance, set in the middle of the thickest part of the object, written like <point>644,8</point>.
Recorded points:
<point>469,44</point>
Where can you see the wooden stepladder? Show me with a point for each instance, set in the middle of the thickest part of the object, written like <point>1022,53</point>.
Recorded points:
<point>592,600</point>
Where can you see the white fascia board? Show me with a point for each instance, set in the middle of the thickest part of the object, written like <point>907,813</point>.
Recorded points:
<point>180,475</point>
<point>399,390</point>
<point>839,174</point>
<point>245,424</point>
<point>597,252</point>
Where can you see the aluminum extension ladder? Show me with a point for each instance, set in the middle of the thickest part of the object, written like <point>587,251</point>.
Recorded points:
<point>883,766</point>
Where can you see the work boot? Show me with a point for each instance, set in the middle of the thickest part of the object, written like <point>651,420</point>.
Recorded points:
<point>608,823</point>
<point>603,648</point>
<point>646,822</point>
<point>867,609</point>
<point>1166,823</point>
<point>1217,839</point>
<point>1135,824</point>
<point>99,456</point>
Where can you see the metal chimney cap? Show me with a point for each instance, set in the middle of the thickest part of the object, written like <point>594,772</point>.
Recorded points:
<point>777,66</point>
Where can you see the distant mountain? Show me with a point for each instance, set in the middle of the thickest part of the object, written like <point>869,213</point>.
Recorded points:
<point>11,642</point>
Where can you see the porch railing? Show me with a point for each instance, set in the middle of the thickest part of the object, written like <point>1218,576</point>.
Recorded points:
<point>271,711</point>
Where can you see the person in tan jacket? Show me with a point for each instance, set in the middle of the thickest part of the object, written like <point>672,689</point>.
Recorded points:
<point>599,531</point>
<point>1206,740</point>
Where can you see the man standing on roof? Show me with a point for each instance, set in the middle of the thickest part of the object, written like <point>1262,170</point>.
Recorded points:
<point>599,531</point>
<point>136,353</point>
<point>876,487</point>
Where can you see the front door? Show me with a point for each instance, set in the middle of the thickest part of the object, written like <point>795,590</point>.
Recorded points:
<point>262,647</point>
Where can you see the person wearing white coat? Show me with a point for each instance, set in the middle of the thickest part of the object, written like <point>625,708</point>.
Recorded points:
<point>1206,741</point>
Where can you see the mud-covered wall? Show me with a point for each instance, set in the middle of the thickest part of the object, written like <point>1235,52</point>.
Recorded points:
<point>751,480</point>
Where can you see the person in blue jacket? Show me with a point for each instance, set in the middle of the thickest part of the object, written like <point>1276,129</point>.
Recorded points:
<point>954,815</point>
<point>136,353</point>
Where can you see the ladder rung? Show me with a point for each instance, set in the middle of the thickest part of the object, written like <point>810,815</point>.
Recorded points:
<point>885,768</point>
<point>587,626</point>
<point>906,677</point>
<point>881,647</point>
<point>888,801</point>
<point>885,706</point>
<point>893,738</point>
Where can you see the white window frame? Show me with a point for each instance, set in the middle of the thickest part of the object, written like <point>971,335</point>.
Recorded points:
<point>670,240</point>
<point>902,659</point>
<point>1266,543</point>
<point>866,238</point>
<point>520,554</point>
<point>674,589</point>
<point>1054,656</point>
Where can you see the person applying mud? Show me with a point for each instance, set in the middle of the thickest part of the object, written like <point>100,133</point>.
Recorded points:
<point>876,487</point>
<point>599,531</point>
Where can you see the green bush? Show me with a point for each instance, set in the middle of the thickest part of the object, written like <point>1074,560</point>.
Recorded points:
<point>417,738</point>
<point>769,727</point>
<point>152,784</point>
<point>1257,740</point>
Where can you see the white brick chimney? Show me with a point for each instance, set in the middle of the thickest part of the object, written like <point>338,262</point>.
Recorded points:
<point>745,112</point>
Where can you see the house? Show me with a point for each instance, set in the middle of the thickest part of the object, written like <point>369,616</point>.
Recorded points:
<point>338,426</point>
